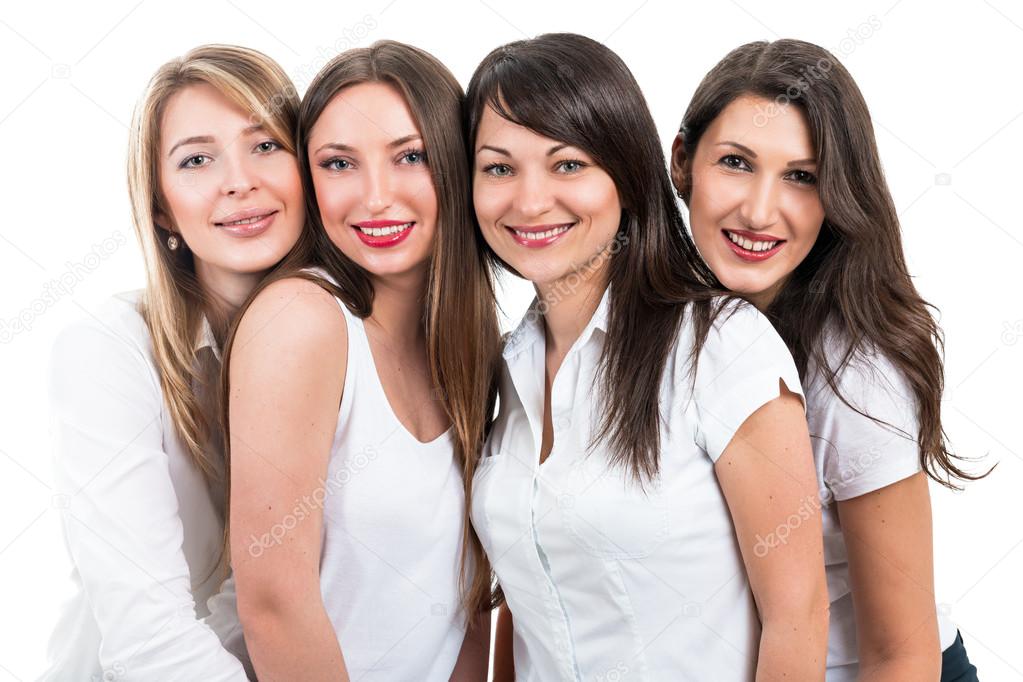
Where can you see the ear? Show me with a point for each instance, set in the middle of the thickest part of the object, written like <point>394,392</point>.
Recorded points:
<point>163,221</point>
<point>680,168</point>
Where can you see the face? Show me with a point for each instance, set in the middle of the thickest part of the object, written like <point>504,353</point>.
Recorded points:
<point>544,207</point>
<point>373,186</point>
<point>754,206</point>
<point>232,193</point>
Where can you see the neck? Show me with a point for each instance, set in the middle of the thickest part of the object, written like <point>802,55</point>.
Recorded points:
<point>398,302</point>
<point>569,308</point>
<point>762,299</point>
<point>226,290</point>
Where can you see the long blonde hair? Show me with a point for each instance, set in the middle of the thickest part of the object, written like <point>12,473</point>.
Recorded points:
<point>174,303</point>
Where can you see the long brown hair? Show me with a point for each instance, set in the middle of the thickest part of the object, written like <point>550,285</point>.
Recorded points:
<point>460,293</point>
<point>854,280</point>
<point>575,90</point>
<point>174,303</point>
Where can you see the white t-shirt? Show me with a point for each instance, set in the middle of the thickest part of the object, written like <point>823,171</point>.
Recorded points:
<point>855,455</point>
<point>605,581</point>
<point>393,511</point>
<point>142,527</point>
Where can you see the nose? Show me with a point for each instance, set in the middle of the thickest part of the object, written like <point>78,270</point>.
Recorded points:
<point>534,197</point>
<point>759,209</point>
<point>377,189</point>
<point>239,178</point>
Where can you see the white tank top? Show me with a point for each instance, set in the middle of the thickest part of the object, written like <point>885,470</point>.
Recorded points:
<point>392,534</point>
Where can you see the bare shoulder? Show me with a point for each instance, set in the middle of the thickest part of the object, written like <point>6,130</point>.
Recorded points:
<point>295,314</point>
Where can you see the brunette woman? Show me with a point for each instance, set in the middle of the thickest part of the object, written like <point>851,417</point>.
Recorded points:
<point>650,431</point>
<point>777,162</point>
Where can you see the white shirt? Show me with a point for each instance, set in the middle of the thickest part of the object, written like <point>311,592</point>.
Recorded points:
<point>393,512</point>
<point>141,525</point>
<point>604,582</point>
<point>855,455</point>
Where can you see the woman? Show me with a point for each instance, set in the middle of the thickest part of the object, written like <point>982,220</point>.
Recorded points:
<point>789,207</point>
<point>217,202</point>
<point>355,396</point>
<point>649,432</point>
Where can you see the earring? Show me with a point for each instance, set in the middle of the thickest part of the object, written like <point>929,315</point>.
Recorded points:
<point>172,242</point>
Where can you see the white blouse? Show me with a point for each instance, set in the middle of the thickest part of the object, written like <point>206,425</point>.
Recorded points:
<point>855,455</point>
<point>604,581</point>
<point>141,525</point>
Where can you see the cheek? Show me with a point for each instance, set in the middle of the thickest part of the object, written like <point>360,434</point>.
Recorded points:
<point>805,216</point>
<point>335,198</point>
<point>420,196</point>
<point>599,201</point>
<point>708,206</point>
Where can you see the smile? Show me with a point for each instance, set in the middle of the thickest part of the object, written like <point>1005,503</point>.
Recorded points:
<point>752,247</point>
<point>247,223</point>
<point>383,233</point>
<point>537,236</point>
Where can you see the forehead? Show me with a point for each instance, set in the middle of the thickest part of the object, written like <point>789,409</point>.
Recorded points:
<point>362,114</point>
<point>498,131</point>
<point>201,109</point>
<point>768,127</point>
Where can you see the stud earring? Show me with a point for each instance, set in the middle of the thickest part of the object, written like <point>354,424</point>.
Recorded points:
<point>172,242</point>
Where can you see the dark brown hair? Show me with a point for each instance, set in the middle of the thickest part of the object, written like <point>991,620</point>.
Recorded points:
<point>577,91</point>
<point>459,294</point>
<point>854,280</point>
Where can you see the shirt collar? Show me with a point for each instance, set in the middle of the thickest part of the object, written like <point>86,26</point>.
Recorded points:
<point>206,339</point>
<point>531,329</point>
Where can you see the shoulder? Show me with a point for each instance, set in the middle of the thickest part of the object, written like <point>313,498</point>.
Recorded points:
<point>115,329</point>
<point>292,323</point>
<point>738,334</point>
<point>863,375</point>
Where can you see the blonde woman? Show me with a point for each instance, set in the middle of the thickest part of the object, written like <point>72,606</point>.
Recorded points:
<point>217,201</point>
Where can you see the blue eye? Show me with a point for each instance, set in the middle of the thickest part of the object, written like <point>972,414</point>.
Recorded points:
<point>335,164</point>
<point>498,170</point>
<point>571,166</point>
<point>413,157</point>
<point>195,161</point>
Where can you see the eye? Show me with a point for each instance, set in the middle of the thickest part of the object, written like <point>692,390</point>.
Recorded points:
<point>498,170</point>
<point>335,164</point>
<point>734,161</point>
<point>803,177</point>
<point>267,146</point>
<point>195,161</point>
<point>570,166</point>
<point>413,157</point>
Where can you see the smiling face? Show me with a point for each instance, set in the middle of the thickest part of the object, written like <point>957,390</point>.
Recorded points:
<point>373,186</point>
<point>544,207</point>
<point>754,206</point>
<point>230,190</point>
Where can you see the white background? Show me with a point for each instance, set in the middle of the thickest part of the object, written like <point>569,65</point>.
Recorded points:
<point>942,81</point>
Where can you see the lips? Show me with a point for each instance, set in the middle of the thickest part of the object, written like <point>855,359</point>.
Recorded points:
<point>249,222</point>
<point>752,247</point>
<point>538,236</point>
<point>383,233</point>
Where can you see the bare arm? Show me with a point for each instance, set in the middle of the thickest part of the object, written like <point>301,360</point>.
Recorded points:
<point>888,540</point>
<point>767,476</point>
<point>504,659</point>
<point>474,656</point>
<point>287,373</point>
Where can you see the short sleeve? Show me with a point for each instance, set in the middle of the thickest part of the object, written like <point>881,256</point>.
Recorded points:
<point>737,372</point>
<point>871,442</point>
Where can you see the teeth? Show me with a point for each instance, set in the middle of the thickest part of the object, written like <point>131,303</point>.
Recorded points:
<point>247,221</point>
<point>385,231</point>
<point>534,236</point>
<point>749,244</point>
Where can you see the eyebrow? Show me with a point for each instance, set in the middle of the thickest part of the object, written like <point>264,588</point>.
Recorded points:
<point>746,150</point>
<point>207,139</point>
<point>504,152</point>
<point>341,147</point>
